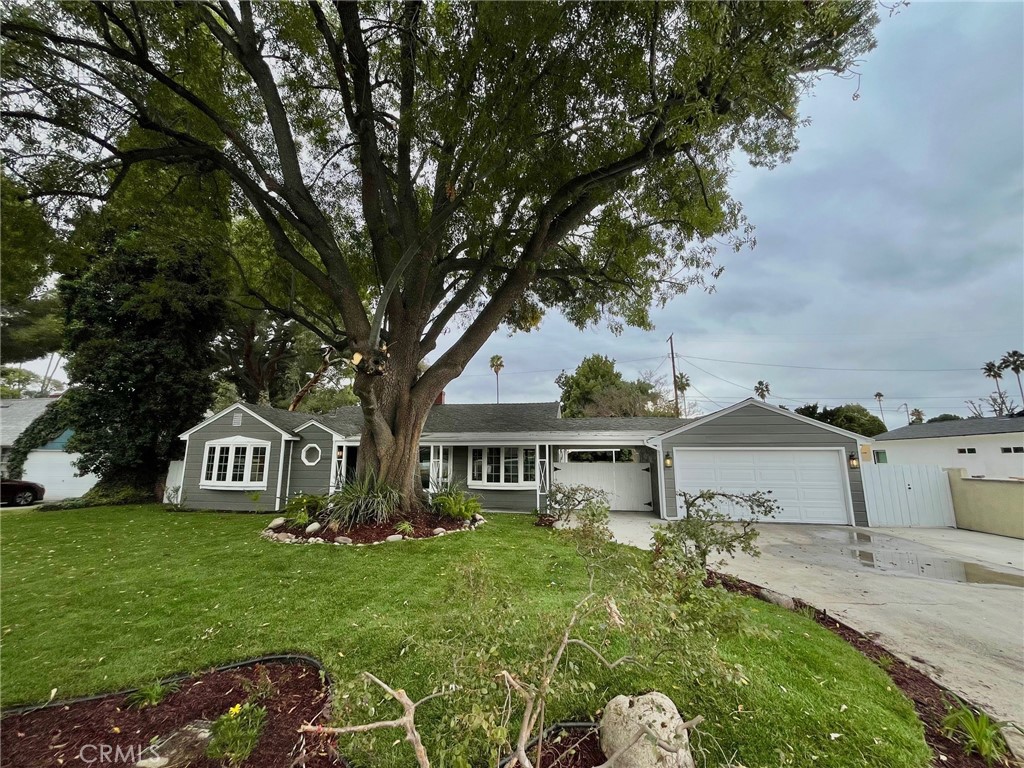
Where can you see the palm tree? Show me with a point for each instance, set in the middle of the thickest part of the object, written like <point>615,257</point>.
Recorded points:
<point>762,390</point>
<point>994,371</point>
<point>496,365</point>
<point>682,384</point>
<point>916,416</point>
<point>1014,361</point>
<point>878,397</point>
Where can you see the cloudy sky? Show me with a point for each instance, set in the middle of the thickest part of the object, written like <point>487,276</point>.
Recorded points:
<point>890,251</point>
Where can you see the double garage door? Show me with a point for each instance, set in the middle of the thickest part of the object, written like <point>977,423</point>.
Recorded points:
<point>809,485</point>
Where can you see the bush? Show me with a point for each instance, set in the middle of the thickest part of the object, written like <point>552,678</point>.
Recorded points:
<point>363,500</point>
<point>236,733</point>
<point>564,500</point>
<point>301,508</point>
<point>455,503</point>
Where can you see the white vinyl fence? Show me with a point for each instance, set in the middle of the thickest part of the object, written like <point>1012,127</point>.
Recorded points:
<point>907,495</point>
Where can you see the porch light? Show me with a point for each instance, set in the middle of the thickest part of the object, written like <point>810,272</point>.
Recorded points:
<point>668,459</point>
<point>854,461</point>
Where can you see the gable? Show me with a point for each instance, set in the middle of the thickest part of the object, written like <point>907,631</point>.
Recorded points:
<point>236,420</point>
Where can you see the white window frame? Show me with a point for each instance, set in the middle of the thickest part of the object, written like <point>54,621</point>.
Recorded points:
<point>309,449</point>
<point>519,483</point>
<point>233,445</point>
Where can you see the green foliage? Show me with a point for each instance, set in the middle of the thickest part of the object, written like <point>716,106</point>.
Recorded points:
<point>405,528</point>
<point>365,499</point>
<point>564,500</point>
<point>978,732</point>
<point>302,508</point>
<point>944,417</point>
<point>139,322</point>
<point>31,329</point>
<point>707,529</point>
<point>455,502</point>
<point>596,388</point>
<point>16,382</point>
<point>47,426</point>
<point>852,417</point>
<point>150,695</point>
<point>117,490</point>
<point>236,733</point>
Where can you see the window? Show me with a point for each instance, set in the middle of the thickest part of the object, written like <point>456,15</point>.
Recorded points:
<point>880,457</point>
<point>235,463</point>
<point>508,466</point>
<point>435,466</point>
<point>966,450</point>
<point>311,455</point>
<point>1014,449</point>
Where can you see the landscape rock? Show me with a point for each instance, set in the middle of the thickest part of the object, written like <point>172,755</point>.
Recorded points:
<point>625,716</point>
<point>184,747</point>
<point>394,537</point>
<point>343,540</point>
<point>276,523</point>
<point>284,536</point>
<point>317,540</point>
<point>312,528</point>
<point>439,531</point>
<point>776,598</point>
<point>478,519</point>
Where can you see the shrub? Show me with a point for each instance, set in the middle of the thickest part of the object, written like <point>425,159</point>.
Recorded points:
<point>363,500</point>
<point>977,732</point>
<point>235,733</point>
<point>564,500</point>
<point>455,503</point>
<point>150,695</point>
<point>303,507</point>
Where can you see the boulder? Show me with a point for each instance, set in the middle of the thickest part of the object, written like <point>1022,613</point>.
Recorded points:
<point>394,537</point>
<point>342,540</point>
<point>276,523</point>
<point>439,531</point>
<point>184,747</point>
<point>478,519</point>
<point>625,716</point>
<point>777,598</point>
<point>312,528</point>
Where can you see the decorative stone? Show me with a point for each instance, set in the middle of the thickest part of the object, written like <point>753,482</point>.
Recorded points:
<point>312,528</point>
<point>439,531</point>
<point>276,523</point>
<point>283,536</point>
<point>777,598</point>
<point>343,540</point>
<point>478,518</point>
<point>625,716</point>
<point>184,747</point>
<point>394,537</point>
<point>317,540</point>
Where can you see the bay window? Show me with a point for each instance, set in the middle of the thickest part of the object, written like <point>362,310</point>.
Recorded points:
<point>235,463</point>
<point>502,466</point>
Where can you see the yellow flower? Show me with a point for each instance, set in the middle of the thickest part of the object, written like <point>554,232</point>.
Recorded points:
<point>235,710</point>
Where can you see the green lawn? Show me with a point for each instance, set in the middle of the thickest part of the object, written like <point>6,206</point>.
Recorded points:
<point>102,599</point>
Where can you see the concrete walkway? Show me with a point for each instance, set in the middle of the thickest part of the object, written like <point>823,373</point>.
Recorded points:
<point>947,601</point>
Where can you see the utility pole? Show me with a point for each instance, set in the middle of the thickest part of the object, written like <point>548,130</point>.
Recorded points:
<point>675,386</point>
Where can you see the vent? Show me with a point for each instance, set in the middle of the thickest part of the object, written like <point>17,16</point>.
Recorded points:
<point>236,419</point>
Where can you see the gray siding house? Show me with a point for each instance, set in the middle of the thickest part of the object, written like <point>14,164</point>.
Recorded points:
<point>254,458</point>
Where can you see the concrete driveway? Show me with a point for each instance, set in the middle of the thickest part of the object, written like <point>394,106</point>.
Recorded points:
<point>947,601</point>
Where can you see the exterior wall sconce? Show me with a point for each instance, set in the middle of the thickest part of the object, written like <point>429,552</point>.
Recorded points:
<point>668,459</point>
<point>853,460</point>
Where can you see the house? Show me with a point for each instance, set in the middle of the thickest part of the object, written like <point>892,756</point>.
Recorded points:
<point>48,464</point>
<point>985,447</point>
<point>255,457</point>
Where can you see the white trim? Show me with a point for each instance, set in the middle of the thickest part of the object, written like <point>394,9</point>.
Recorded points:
<point>324,427</point>
<point>184,466</point>
<point>844,468</point>
<point>526,439</point>
<point>287,435</point>
<point>484,485</point>
<point>771,409</point>
<point>233,443</point>
<point>660,464</point>
<point>280,476</point>
<point>310,448</point>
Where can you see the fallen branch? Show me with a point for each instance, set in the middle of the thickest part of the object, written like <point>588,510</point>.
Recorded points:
<point>655,739</point>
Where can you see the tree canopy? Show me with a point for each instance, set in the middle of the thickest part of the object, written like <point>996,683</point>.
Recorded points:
<point>432,166</point>
<point>597,388</point>
<point>852,417</point>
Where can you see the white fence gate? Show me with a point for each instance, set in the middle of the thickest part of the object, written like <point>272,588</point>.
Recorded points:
<point>627,483</point>
<point>907,495</point>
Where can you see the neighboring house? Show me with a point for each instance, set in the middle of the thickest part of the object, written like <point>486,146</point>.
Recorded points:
<point>986,447</point>
<point>255,457</point>
<point>49,464</point>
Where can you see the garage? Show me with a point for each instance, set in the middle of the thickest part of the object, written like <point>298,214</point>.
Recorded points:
<point>809,484</point>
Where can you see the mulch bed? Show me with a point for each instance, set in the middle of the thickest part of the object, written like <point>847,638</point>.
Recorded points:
<point>931,700</point>
<point>56,735</point>
<point>423,522</point>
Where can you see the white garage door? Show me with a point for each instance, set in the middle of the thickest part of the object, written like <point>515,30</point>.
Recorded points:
<point>54,471</point>
<point>809,486</point>
<point>628,484</point>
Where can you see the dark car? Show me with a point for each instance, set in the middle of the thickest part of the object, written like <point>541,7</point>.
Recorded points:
<point>20,492</point>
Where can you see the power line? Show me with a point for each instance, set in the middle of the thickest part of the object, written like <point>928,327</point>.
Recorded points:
<point>821,368</point>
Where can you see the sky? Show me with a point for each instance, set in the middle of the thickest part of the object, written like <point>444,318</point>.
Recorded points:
<point>890,247</point>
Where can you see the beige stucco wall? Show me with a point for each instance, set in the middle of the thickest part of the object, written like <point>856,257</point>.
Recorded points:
<point>987,505</point>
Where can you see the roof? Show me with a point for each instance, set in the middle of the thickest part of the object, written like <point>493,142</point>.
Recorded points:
<point>16,415</point>
<point>488,417</point>
<point>990,425</point>
<point>653,424</point>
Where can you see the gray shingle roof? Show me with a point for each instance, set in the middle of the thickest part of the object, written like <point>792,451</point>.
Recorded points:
<point>16,415</point>
<point>653,424</point>
<point>488,417</point>
<point>992,425</point>
<point>279,417</point>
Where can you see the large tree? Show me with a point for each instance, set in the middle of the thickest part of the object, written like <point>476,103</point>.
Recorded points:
<point>598,388</point>
<point>852,417</point>
<point>459,165</point>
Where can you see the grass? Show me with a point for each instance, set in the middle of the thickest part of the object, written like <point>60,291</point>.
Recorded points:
<point>108,598</point>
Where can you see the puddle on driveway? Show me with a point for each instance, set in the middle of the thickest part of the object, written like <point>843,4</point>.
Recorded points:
<point>944,568</point>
